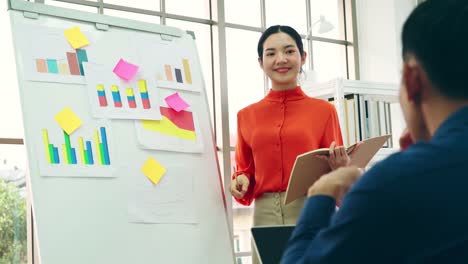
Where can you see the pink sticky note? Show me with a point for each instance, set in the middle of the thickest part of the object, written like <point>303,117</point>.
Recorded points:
<point>125,70</point>
<point>176,102</point>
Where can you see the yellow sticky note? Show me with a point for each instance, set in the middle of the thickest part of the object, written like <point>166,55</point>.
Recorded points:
<point>153,170</point>
<point>68,120</point>
<point>76,38</point>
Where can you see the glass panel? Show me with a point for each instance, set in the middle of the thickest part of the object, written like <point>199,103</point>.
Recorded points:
<point>332,13</point>
<point>244,12</point>
<point>243,260</point>
<point>10,107</point>
<point>134,16</point>
<point>152,5</point>
<point>192,8</point>
<point>242,218</point>
<point>329,60</point>
<point>13,248</point>
<point>72,6</point>
<point>203,41</point>
<point>291,13</point>
<point>245,77</point>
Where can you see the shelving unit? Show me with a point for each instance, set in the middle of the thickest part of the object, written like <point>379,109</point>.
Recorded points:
<point>363,109</point>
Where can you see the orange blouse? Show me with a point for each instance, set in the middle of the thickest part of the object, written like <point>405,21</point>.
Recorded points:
<point>272,132</point>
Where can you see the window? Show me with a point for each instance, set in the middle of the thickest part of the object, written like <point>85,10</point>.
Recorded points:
<point>330,54</point>
<point>193,8</point>
<point>245,77</point>
<point>291,13</point>
<point>243,12</point>
<point>152,5</point>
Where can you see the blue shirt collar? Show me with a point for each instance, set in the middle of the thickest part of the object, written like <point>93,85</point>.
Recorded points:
<point>456,121</point>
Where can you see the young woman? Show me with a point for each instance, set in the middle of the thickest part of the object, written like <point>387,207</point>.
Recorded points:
<point>273,131</point>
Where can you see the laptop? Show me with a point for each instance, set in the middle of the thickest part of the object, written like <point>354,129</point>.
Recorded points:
<point>270,242</point>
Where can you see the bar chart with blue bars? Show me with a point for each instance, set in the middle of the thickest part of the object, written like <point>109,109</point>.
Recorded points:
<point>82,154</point>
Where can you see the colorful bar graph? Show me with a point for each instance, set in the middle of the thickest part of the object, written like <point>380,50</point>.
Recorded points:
<point>49,152</point>
<point>73,63</point>
<point>85,149</point>
<point>105,146</point>
<point>89,152</point>
<point>144,94</point>
<point>130,98</point>
<point>188,74</point>
<point>168,70</point>
<point>97,144</point>
<point>82,57</point>
<point>116,96</point>
<point>64,69</point>
<point>52,66</point>
<point>178,75</point>
<point>41,65</point>
<point>56,155</point>
<point>84,158</point>
<point>101,95</point>
<point>69,152</point>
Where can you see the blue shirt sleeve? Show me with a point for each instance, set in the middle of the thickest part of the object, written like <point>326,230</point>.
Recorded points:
<point>361,231</point>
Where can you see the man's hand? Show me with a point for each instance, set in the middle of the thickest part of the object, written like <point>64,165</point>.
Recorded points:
<point>239,186</point>
<point>336,183</point>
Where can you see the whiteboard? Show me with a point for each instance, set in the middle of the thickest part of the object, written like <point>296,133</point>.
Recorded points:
<point>110,212</point>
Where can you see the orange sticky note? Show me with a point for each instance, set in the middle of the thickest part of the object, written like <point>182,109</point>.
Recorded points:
<point>68,120</point>
<point>153,170</point>
<point>76,38</point>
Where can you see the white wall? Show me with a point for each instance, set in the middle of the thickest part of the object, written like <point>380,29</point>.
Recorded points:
<point>379,38</point>
<point>379,28</point>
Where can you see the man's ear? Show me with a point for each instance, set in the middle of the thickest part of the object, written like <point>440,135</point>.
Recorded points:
<point>412,80</point>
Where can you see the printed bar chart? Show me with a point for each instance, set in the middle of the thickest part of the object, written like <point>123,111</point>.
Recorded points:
<point>101,95</point>
<point>171,71</point>
<point>144,94</point>
<point>131,98</point>
<point>116,96</point>
<point>188,74</point>
<point>82,57</point>
<point>74,65</point>
<point>85,150</point>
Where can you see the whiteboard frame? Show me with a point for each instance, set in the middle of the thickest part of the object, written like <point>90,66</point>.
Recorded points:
<point>102,22</point>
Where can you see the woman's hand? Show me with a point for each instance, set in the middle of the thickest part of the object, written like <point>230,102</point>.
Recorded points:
<point>338,156</point>
<point>239,186</point>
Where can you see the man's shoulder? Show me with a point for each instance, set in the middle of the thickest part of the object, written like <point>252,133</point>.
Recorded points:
<point>400,167</point>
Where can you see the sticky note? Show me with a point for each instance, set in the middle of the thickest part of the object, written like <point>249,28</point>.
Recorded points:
<point>125,70</point>
<point>176,102</point>
<point>68,120</point>
<point>153,170</point>
<point>76,38</point>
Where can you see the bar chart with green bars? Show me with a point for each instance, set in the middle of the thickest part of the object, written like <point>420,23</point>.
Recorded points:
<point>72,66</point>
<point>85,150</point>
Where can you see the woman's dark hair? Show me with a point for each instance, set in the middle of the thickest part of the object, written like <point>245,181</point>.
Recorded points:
<point>276,29</point>
<point>436,33</point>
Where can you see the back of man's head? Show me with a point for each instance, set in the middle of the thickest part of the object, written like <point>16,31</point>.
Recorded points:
<point>436,33</point>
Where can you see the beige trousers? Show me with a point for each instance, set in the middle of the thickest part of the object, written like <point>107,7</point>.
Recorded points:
<point>270,210</point>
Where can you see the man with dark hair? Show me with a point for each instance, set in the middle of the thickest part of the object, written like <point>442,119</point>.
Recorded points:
<point>411,207</point>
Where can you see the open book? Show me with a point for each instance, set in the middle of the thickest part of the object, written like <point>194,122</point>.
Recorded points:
<point>308,167</point>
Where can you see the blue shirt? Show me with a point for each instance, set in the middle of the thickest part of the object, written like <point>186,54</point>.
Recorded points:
<point>410,208</point>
